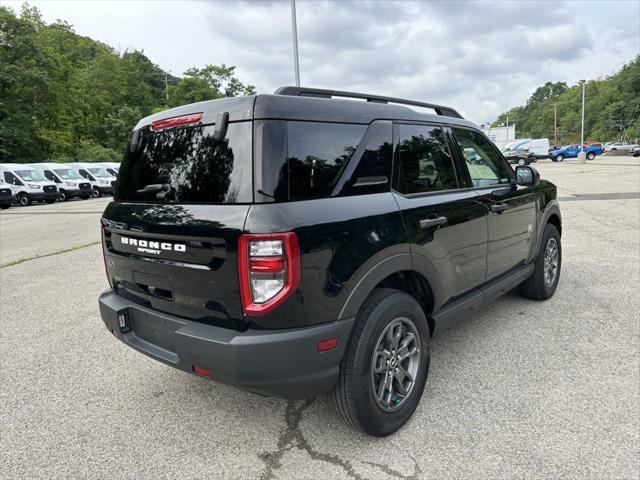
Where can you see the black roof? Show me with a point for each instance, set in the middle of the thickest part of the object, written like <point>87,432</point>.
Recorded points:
<point>309,108</point>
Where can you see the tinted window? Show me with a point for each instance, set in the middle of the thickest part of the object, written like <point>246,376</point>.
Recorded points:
<point>270,150</point>
<point>372,174</point>
<point>11,178</point>
<point>483,160</point>
<point>187,165</point>
<point>317,155</point>
<point>425,164</point>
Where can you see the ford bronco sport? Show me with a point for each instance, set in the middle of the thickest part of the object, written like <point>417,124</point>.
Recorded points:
<point>302,243</point>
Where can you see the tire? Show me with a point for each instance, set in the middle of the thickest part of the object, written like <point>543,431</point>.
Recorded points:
<point>591,156</point>
<point>62,196</point>
<point>24,199</point>
<point>559,158</point>
<point>522,161</point>
<point>354,395</point>
<point>538,286</point>
<point>95,193</point>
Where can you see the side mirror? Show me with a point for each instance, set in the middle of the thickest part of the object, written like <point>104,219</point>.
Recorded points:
<point>527,176</point>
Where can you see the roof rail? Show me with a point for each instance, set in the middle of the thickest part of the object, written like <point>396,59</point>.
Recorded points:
<point>322,93</point>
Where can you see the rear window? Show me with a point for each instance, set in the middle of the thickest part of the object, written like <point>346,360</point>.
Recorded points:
<point>187,165</point>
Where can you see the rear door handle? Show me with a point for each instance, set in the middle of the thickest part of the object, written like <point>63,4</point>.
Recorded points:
<point>426,223</point>
<point>499,207</point>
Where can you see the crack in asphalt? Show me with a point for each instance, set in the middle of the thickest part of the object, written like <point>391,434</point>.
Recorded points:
<point>72,249</point>
<point>293,437</point>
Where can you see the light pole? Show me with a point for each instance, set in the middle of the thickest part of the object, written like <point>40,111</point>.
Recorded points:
<point>582,156</point>
<point>507,126</point>
<point>294,28</point>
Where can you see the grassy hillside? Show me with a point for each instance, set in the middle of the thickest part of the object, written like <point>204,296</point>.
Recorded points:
<point>612,109</point>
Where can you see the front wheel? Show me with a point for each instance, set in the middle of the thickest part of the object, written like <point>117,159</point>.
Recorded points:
<point>591,156</point>
<point>522,161</point>
<point>95,193</point>
<point>559,158</point>
<point>24,199</point>
<point>62,196</point>
<point>546,274</point>
<point>385,365</point>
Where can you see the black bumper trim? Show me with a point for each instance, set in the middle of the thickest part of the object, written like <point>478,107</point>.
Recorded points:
<point>282,363</point>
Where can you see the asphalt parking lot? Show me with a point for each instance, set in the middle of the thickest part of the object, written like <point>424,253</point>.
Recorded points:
<point>522,390</point>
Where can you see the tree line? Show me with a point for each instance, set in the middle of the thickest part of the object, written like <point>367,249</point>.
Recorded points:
<point>554,110</point>
<point>65,97</point>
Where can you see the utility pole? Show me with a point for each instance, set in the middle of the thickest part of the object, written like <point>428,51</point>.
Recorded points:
<point>582,156</point>
<point>507,126</point>
<point>294,28</point>
<point>555,124</point>
<point>166,87</point>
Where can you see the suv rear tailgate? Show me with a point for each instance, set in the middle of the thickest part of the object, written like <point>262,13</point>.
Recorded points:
<point>178,259</point>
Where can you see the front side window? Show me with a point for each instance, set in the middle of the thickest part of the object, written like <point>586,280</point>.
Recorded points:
<point>484,163</point>
<point>317,156</point>
<point>189,165</point>
<point>425,163</point>
<point>11,179</point>
<point>99,172</point>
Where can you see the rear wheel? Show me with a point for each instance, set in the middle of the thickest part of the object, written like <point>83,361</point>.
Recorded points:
<point>385,365</point>
<point>544,281</point>
<point>24,199</point>
<point>522,161</point>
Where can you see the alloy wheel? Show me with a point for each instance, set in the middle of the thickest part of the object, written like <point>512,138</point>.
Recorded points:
<point>395,364</point>
<point>551,260</point>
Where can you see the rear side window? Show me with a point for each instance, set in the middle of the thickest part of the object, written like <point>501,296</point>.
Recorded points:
<point>317,156</point>
<point>425,163</point>
<point>187,165</point>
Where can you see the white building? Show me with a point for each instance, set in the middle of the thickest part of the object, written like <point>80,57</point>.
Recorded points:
<point>500,135</point>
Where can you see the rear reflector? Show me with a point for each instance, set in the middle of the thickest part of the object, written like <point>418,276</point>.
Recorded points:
<point>328,344</point>
<point>203,372</point>
<point>176,121</point>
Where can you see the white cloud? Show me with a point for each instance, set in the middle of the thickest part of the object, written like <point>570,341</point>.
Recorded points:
<point>480,57</point>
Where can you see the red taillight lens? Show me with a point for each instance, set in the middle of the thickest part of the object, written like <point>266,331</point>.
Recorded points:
<point>268,270</point>
<point>176,121</point>
<point>104,255</point>
<point>328,344</point>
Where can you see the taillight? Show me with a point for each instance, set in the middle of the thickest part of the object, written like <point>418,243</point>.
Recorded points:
<point>104,255</point>
<point>268,269</point>
<point>176,121</point>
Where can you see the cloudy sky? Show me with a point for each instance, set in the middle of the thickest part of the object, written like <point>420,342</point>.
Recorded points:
<point>480,57</point>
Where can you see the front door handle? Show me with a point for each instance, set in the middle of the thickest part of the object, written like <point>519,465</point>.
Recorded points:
<point>426,223</point>
<point>499,207</point>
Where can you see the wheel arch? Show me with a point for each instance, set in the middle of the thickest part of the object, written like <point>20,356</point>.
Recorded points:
<point>405,272</point>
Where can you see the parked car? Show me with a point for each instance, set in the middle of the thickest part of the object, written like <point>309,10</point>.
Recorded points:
<point>69,182</point>
<point>520,156</point>
<point>619,146</point>
<point>6,196</point>
<point>572,151</point>
<point>27,184</point>
<point>111,167</point>
<point>102,182</point>
<point>296,244</point>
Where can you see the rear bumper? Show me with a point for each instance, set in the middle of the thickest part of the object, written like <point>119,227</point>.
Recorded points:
<point>282,363</point>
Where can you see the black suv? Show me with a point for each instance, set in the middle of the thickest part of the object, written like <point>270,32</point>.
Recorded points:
<point>302,243</point>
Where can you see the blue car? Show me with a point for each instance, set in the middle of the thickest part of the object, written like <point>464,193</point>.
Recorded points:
<point>571,151</point>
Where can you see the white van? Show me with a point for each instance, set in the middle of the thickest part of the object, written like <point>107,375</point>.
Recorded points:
<point>27,184</point>
<point>69,182</point>
<point>111,167</point>
<point>102,182</point>
<point>538,146</point>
